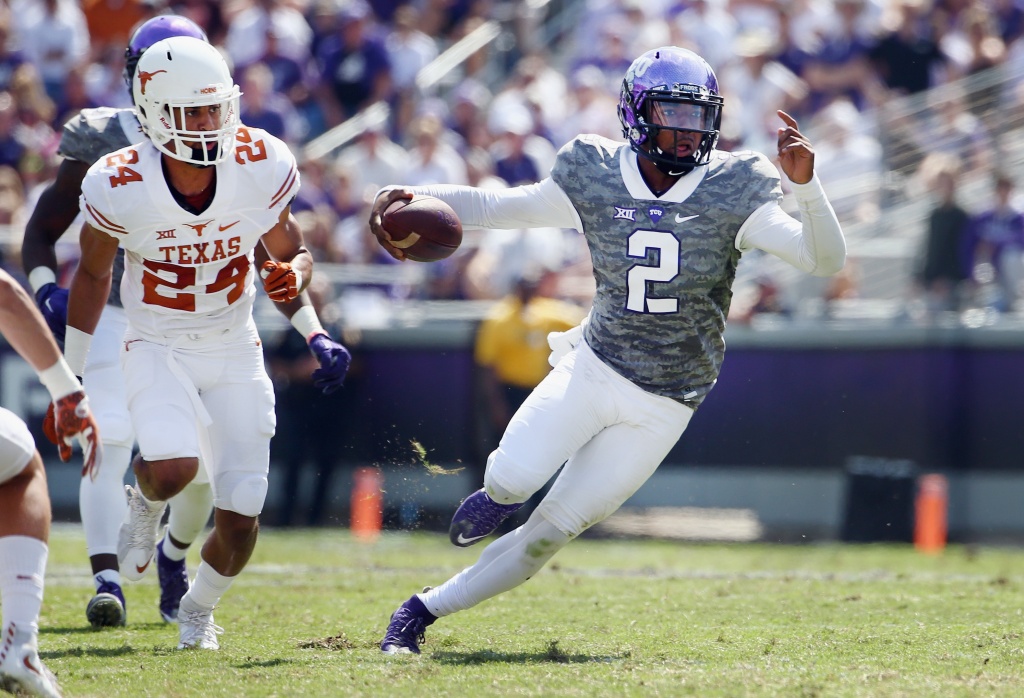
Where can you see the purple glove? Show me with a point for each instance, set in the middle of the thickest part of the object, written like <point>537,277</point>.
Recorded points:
<point>53,303</point>
<point>333,359</point>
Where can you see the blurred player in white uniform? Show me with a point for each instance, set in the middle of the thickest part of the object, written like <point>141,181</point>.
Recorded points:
<point>89,136</point>
<point>188,205</point>
<point>24,498</point>
<point>666,218</point>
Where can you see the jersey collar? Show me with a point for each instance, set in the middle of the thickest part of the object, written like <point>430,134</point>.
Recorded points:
<point>637,187</point>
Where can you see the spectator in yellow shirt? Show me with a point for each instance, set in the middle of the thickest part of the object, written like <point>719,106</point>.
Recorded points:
<point>511,349</point>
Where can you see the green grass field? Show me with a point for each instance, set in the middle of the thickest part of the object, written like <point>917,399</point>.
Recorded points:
<point>607,618</point>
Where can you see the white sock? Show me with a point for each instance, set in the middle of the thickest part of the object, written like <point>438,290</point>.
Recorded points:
<point>102,503</point>
<point>106,576</point>
<point>172,551</point>
<point>22,571</point>
<point>504,564</point>
<point>207,588</point>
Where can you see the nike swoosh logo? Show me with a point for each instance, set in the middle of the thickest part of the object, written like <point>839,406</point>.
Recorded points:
<point>683,219</point>
<point>222,228</point>
<point>142,569</point>
<point>48,306</point>
<point>28,665</point>
<point>463,539</point>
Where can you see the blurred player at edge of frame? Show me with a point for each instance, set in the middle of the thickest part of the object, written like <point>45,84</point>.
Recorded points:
<point>189,204</point>
<point>85,139</point>
<point>666,218</point>
<point>24,498</point>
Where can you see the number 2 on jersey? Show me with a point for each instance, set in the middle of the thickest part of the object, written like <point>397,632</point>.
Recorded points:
<point>125,174</point>
<point>640,241</point>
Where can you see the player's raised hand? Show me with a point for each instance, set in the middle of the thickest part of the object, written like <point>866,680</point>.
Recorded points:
<point>280,281</point>
<point>796,156</point>
<point>334,361</point>
<point>69,419</point>
<point>380,204</point>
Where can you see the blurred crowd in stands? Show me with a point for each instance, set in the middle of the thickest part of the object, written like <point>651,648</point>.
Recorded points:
<point>898,95</point>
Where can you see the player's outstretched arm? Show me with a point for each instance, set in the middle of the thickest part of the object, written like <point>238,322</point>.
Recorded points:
<point>25,329</point>
<point>815,243</point>
<point>54,213</point>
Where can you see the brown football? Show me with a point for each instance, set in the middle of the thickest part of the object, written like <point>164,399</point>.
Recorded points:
<point>423,227</point>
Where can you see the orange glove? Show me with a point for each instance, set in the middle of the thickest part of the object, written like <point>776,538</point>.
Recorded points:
<point>68,419</point>
<point>280,281</point>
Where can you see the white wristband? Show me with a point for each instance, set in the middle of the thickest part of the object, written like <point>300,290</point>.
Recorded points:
<point>60,380</point>
<point>306,322</point>
<point>39,277</point>
<point>76,349</point>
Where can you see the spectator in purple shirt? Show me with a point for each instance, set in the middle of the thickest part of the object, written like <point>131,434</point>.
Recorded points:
<point>355,70</point>
<point>995,241</point>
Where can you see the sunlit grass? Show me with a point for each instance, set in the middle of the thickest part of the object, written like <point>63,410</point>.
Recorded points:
<point>607,618</point>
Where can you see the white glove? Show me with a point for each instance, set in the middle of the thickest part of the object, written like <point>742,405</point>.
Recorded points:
<point>562,343</point>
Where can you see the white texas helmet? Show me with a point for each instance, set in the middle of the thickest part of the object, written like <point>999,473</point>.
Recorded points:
<point>175,75</point>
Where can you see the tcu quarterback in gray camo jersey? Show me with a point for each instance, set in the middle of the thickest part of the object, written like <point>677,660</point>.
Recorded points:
<point>666,217</point>
<point>664,267</point>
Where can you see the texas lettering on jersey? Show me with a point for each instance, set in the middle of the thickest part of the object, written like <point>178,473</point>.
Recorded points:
<point>202,252</point>
<point>183,273</point>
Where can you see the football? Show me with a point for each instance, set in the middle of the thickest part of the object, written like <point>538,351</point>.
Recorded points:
<point>423,227</point>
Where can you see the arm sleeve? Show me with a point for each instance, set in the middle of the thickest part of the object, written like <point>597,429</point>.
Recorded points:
<point>540,205</point>
<point>814,244</point>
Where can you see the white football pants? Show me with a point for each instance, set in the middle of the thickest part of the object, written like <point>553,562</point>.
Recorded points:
<point>613,436</point>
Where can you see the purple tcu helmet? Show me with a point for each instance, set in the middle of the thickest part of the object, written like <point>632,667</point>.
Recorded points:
<point>154,30</point>
<point>671,77</point>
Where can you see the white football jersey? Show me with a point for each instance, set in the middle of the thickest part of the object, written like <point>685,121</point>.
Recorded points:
<point>185,273</point>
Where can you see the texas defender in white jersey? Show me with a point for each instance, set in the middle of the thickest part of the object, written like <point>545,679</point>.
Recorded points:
<point>188,206</point>
<point>92,134</point>
<point>666,218</point>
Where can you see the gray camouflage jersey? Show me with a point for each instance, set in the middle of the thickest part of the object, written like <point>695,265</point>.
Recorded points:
<point>664,270</point>
<point>88,137</point>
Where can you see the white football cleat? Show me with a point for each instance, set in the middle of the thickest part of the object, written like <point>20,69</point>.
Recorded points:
<point>22,673</point>
<point>136,541</point>
<point>197,630</point>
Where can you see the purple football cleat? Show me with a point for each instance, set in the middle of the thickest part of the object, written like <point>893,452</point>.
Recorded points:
<point>477,517</point>
<point>407,627</point>
<point>173,583</point>
<point>107,608</point>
